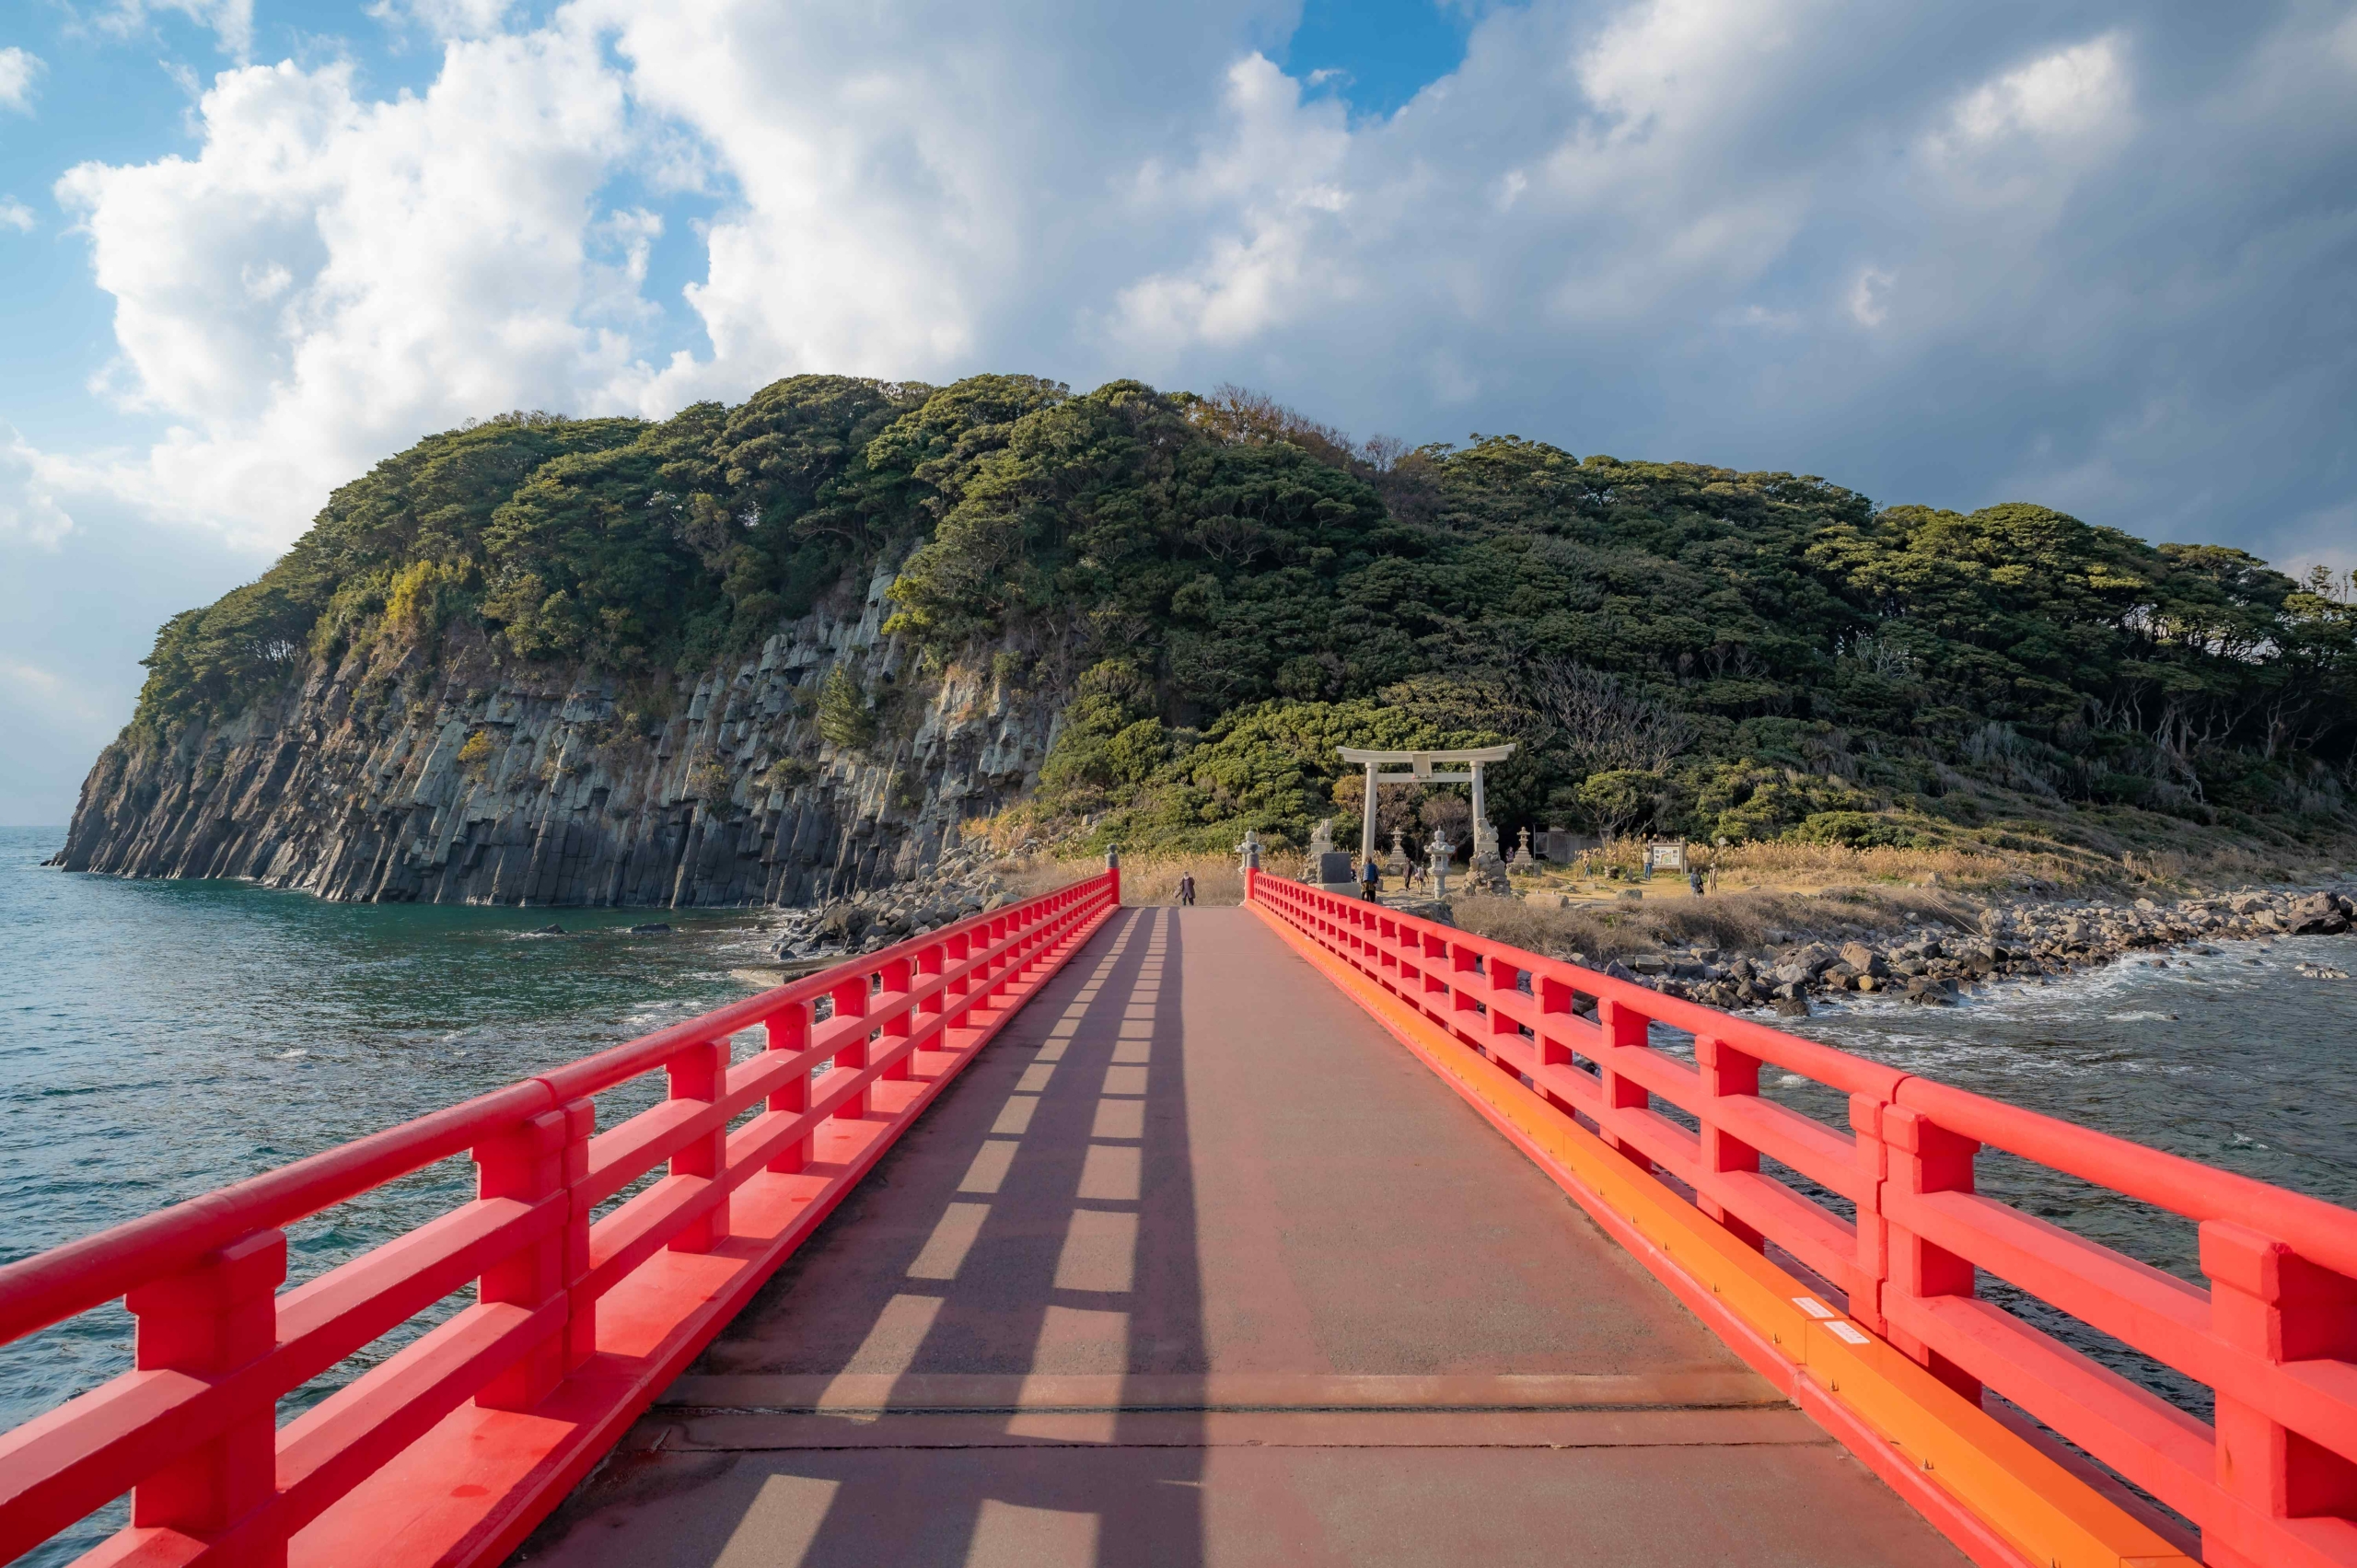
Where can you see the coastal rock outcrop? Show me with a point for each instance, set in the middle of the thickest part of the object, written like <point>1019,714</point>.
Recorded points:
<point>2030,939</point>
<point>966,879</point>
<point>448,775</point>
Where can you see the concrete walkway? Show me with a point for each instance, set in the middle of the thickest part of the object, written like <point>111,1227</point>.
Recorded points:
<point>1196,1265</point>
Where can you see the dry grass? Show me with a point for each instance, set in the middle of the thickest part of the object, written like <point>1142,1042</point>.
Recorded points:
<point>1865,865</point>
<point>1153,883</point>
<point>1736,922</point>
<point>2236,867</point>
<point>1147,882</point>
<point>1828,863</point>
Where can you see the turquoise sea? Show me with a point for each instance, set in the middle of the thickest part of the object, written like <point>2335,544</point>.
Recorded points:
<point>160,1039</point>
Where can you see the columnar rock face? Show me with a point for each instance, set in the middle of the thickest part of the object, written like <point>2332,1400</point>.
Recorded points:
<point>455,777</point>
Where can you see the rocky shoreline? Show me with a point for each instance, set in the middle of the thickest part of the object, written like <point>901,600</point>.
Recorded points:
<point>967,879</point>
<point>2027,941</point>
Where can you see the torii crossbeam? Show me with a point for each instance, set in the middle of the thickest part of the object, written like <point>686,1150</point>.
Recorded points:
<point>1420,765</point>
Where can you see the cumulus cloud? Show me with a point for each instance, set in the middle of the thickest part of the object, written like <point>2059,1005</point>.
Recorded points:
<point>30,512</point>
<point>331,276</point>
<point>1921,249</point>
<point>17,216</point>
<point>19,72</point>
<point>918,188</point>
<point>1268,183</point>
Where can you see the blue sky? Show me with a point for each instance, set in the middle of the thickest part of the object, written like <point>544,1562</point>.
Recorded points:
<point>2089,253</point>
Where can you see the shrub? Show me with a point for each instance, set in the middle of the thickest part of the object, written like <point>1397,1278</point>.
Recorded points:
<point>1862,830</point>
<point>843,718</point>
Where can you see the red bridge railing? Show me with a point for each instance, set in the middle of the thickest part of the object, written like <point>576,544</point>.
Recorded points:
<point>2272,1483</point>
<point>451,1449</point>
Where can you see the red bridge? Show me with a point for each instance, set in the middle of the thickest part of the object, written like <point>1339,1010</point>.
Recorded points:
<point>1304,1232</point>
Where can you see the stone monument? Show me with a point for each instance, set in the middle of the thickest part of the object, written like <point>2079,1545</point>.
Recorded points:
<point>1327,867</point>
<point>1440,852</point>
<point>1488,873</point>
<point>1396,864</point>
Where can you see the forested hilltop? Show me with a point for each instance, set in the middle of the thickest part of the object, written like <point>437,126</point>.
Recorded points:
<point>1211,593</point>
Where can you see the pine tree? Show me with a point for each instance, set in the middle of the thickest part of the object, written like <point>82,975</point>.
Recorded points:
<point>843,718</point>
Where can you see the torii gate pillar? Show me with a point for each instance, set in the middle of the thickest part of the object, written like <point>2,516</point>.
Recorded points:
<point>1420,766</point>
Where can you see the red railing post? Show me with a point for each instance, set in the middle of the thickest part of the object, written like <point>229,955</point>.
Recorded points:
<point>789,1029</point>
<point>208,1322</point>
<point>1725,1073</point>
<point>898,1017</point>
<point>1925,1158</point>
<point>932,963</point>
<point>700,1072</point>
<point>1003,958</point>
<point>543,1158</point>
<point>1623,1028</point>
<point>1505,980</point>
<point>851,1002</point>
<point>1464,974</point>
<point>1873,1157</point>
<point>2270,1303</point>
<point>957,950</point>
<point>1554,1001</point>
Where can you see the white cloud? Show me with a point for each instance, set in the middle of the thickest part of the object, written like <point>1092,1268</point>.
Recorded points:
<point>330,277</point>
<point>1870,297</point>
<point>17,216</point>
<point>920,188</point>
<point>2068,95</point>
<point>231,21</point>
<point>1268,185</point>
<point>447,18</point>
<point>31,514</point>
<point>19,72</point>
<point>1656,226</point>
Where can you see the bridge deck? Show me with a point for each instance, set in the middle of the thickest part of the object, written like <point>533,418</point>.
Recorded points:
<point>1196,1265</point>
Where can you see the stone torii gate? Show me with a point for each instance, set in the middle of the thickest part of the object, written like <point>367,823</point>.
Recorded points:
<point>1420,765</point>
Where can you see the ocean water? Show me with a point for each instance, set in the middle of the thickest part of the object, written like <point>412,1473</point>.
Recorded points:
<point>160,1039</point>
<point>2236,1059</point>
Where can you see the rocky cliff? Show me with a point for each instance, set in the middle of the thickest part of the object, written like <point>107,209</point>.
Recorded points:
<point>443,773</point>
